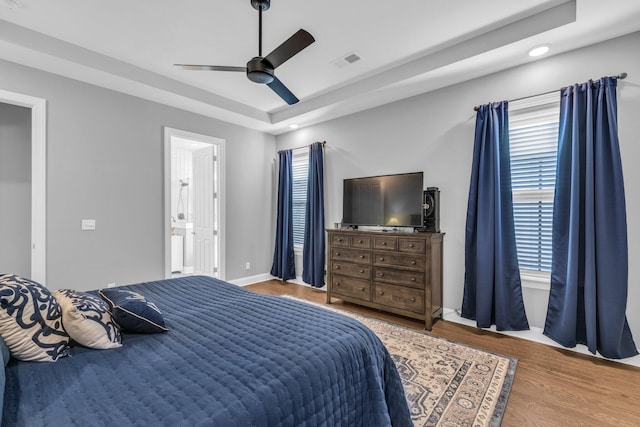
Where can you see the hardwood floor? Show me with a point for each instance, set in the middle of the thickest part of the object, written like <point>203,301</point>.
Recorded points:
<point>552,387</point>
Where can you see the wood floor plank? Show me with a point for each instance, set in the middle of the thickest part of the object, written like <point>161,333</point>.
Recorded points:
<point>552,387</point>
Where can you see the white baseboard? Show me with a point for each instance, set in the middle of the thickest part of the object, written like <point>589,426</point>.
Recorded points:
<point>536,335</point>
<point>244,281</point>
<point>298,281</point>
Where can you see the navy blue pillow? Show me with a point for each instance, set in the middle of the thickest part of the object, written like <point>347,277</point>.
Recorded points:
<point>132,312</point>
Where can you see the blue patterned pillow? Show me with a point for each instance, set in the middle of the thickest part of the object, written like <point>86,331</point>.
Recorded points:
<point>132,312</point>
<point>31,320</point>
<point>87,319</point>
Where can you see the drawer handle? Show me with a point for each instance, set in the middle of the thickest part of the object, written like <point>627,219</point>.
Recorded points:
<point>362,271</point>
<point>412,299</point>
<point>337,283</point>
<point>362,289</point>
<point>413,262</point>
<point>413,279</point>
<point>381,258</point>
<point>359,241</point>
<point>361,256</point>
<point>410,245</point>
<point>384,243</point>
<point>337,253</point>
<point>380,293</point>
<point>337,267</point>
<point>380,274</point>
<point>339,240</point>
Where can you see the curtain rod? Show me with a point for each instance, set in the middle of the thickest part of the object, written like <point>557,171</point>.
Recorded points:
<point>620,76</point>
<point>302,146</point>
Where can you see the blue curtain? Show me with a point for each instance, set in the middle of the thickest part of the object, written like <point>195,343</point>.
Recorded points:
<point>313,252</point>
<point>588,297</point>
<point>492,289</point>
<point>283,259</point>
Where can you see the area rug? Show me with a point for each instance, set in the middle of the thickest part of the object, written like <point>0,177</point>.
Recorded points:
<point>447,384</point>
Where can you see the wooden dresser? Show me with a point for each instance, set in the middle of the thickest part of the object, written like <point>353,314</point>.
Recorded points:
<point>392,271</point>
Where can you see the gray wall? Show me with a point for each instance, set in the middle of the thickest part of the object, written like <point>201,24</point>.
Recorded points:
<point>15,190</point>
<point>434,133</point>
<point>105,162</point>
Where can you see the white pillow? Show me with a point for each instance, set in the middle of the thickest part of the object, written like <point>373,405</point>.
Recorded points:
<point>87,319</point>
<point>31,321</point>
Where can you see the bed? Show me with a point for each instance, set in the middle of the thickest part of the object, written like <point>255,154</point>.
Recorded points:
<point>230,358</point>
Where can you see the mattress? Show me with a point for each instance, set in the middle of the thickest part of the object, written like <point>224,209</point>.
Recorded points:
<point>230,358</point>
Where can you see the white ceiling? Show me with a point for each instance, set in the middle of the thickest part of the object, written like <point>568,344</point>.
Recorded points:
<point>406,47</point>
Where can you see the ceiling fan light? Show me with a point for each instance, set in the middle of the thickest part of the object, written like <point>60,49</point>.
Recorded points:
<point>260,76</point>
<point>539,50</point>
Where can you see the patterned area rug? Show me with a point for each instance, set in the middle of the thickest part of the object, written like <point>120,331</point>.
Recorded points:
<point>447,384</point>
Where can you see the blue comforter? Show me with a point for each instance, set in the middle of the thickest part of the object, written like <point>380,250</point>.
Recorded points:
<point>230,358</point>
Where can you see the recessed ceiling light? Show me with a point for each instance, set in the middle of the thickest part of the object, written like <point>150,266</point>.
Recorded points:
<point>539,50</point>
<point>293,126</point>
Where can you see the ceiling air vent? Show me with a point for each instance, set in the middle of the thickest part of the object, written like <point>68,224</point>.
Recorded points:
<point>346,59</point>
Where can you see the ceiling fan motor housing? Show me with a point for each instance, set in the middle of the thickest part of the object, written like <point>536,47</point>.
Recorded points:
<point>259,70</point>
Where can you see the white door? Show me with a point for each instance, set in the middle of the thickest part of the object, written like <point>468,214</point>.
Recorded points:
<point>205,233</point>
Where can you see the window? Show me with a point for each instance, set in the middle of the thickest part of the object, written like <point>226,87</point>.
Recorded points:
<point>533,139</point>
<point>300,166</point>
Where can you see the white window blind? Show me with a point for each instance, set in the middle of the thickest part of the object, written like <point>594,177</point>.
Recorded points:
<point>533,139</point>
<point>300,166</point>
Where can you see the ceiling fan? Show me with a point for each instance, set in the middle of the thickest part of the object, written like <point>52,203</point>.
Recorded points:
<point>261,69</point>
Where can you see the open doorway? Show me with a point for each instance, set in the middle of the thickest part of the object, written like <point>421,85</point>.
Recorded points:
<point>194,194</point>
<point>38,107</point>
<point>15,189</point>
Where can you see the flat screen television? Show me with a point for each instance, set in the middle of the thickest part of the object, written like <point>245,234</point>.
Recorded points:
<point>387,200</point>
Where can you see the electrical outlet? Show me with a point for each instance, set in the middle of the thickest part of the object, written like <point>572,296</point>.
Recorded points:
<point>247,266</point>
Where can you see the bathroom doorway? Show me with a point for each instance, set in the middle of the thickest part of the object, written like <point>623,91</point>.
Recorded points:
<point>193,204</point>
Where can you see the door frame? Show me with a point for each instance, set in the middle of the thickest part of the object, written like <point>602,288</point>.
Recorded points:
<point>38,108</point>
<point>166,225</point>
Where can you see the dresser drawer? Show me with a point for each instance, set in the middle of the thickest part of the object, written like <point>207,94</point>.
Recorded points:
<point>360,257</point>
<point>413,279</point>
<point>385,242</point>
<point>400,297</point>
<point>351,270</point>
<point>350,287</point>
<point>363,242</point>
<point>416,246</point>
<point>339,240</point>
<point>397,260</point>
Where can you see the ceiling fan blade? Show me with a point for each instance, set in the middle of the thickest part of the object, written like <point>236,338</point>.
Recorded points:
<point>210,67</point>
<point>294,44</point>
<point>282,91</point>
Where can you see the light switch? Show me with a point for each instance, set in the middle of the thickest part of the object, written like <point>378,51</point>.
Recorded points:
<point>88,225</point>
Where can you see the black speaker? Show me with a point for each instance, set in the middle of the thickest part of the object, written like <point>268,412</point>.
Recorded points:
<point>431,209</point>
